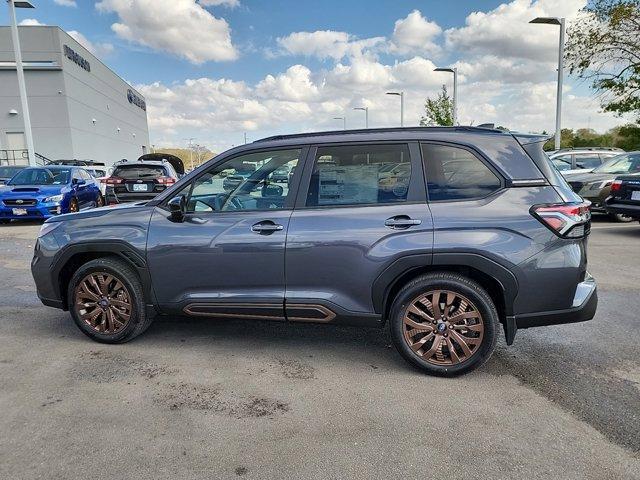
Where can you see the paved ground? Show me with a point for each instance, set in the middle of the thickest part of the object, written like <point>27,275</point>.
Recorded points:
<point>215,399</point>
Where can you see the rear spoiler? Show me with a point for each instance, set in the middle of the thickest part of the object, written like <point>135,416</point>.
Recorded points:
<point>529,138</point>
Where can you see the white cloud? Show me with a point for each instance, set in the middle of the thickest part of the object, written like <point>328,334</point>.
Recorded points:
<point>66,3</point>
<point>414,34</point>
<point>326,44</point>
<point>220,3</point>
<point>97,49</point>
<point>505,31</point>
<point>32,22</point>
<point>180,27</point>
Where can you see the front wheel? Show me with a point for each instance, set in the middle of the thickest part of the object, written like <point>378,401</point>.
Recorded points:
<point>106,301</point>
<point>444,323</point>
<point>619,217</point>
<point>73,206</point>
<point>99,202</point>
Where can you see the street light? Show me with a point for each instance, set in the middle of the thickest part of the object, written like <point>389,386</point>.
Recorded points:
<point>453,70</point>
<point>366,115</point>
<point>401,95</point>
<point>560,22</point>
<point>21,83</point>
<point>344,121</point>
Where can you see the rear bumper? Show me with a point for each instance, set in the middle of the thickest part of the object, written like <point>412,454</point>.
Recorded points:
<point>623,208</point>
<point>112,198</point>
<point>585,303</point>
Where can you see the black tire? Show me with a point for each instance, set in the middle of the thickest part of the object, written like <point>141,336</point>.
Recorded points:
<point>73,206</point>
<point>620,218</point>
<point>467,289</point>
<point>99,201</point>
<point>138,321</point>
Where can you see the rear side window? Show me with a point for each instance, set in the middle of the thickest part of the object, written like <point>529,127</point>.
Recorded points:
<point>360,175</point>
<point>454,173</point>
<point>590,160</point>
<point>135,172</point>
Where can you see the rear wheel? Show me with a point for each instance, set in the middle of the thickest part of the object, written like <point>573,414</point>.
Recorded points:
<point>444,323</point>
<point>619,217</point>
<point>106,301</point>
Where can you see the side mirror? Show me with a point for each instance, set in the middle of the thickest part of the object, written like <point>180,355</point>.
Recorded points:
<point>178,208</point>
<point>78,181</point>
<point>271,190</point>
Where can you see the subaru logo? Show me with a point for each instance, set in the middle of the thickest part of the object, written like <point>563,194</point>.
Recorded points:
<point>19,202</point>
<point>442,327</point>
<point>139,181</point>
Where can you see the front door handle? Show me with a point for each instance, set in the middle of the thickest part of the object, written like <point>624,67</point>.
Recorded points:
<point>266,228</point>
<point>401,222</point>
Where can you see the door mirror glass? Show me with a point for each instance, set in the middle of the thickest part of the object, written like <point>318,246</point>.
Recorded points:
<point>270,190</point>
<point>178,208</point>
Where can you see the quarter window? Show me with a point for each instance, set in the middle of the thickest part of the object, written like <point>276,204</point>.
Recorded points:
<point>359,175</point>
<point>454,173</point>
<point>243,183</point>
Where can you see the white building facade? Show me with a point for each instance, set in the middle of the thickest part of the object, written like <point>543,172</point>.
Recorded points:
<point>80,109</point>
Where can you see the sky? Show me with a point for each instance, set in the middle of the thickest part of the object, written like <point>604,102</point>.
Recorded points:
<point>214,70</point>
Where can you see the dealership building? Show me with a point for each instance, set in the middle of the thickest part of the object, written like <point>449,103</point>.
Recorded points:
<point>80,109</point>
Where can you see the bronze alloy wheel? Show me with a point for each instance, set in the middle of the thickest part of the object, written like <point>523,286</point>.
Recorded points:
<point>443,327</point>
<point>103,303</point>
<point>73,206</point>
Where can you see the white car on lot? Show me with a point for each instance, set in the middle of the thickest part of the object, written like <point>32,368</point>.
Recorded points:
<point>582,160</point>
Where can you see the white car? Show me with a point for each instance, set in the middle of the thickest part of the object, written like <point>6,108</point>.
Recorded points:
<point>582,160</point>
<point>100,174</point>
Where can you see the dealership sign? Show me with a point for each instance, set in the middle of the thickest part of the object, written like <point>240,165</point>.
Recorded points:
<point>135,99</point>
<point>76,58</point>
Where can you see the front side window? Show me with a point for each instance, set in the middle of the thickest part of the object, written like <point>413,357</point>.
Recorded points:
<point>626,163</point>
<point>454,173</point>
<point>243,183</point>
<point>360,175</point>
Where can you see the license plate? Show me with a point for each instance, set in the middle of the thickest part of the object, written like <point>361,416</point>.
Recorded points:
<point>19,211</point>
<point>635,195</point>
<point>139,187</point>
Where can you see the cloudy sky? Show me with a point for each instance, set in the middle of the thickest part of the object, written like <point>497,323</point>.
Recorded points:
<point>214,69</point>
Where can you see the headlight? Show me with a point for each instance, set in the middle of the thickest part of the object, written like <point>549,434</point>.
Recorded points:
<point>54,198</point>
<point>48,227</point>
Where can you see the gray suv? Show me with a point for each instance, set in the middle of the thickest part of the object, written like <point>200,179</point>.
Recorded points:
<point>476,229</point>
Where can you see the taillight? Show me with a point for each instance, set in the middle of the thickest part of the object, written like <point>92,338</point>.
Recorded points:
<point>567,220</point>
<point>616,186</point>
<point>166,180</point>
<point>113,180</point>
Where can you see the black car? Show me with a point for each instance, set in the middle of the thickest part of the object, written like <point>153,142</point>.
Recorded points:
<point>8,171</point>
<point>138,181</point>
<point>625,196</point>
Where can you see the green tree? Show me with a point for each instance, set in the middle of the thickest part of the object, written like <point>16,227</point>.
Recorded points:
<point>604,47</point>
<point>438,111</point>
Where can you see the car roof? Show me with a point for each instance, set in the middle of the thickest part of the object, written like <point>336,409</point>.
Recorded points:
<point>55,167</point>
<point>137,163</point>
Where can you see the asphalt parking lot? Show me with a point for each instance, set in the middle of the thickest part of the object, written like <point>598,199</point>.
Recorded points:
<point>198,398</point>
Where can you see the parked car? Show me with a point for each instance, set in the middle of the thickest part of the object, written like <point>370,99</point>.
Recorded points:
<point>445,262</point>
<point>625,196</point>
<point>238,176</point>
<point>582,159</point>
<point>8,171</point>
<point>100,174</point>
<point>43,192</point>
<point>138,181</point>
<point>280,175</point>
<point>595,185</point>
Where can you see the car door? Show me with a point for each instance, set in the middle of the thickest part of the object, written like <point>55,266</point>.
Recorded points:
<point>226,258</point>
<point>352,226</point>
<point>80,188</point>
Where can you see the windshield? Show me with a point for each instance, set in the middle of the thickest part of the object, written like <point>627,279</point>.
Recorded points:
<point>96,173</point>
<point>627,163</point>
<point>41,176</point>
<point>135,172</point>
<point>8,172</point>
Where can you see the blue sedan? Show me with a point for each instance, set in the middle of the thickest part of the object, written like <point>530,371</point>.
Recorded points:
<point>42,192</point>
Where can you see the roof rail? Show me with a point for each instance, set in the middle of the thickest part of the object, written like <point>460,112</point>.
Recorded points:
<point>459,128</point>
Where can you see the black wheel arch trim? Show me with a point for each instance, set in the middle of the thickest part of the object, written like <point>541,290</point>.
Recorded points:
<point>388,279</point>
<point>119,248</point>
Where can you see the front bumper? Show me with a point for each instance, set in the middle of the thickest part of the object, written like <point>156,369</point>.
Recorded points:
<point>41,212</point>
<point>585,303</point>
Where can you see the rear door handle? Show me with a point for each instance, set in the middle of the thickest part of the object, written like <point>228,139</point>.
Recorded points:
<point>401,222</point>
<point>267,227</point>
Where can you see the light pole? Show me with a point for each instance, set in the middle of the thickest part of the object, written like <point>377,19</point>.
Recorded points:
<point>21,83</point>
<point>401,95</point>
<point>560,22</point>
<point>366,115</point>
<point>453,70</point>
<point>344,121</point>
<point>190,140</point>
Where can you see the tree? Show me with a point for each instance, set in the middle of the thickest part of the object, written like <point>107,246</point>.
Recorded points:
<point>438,111</point>
<point>604,47</point>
